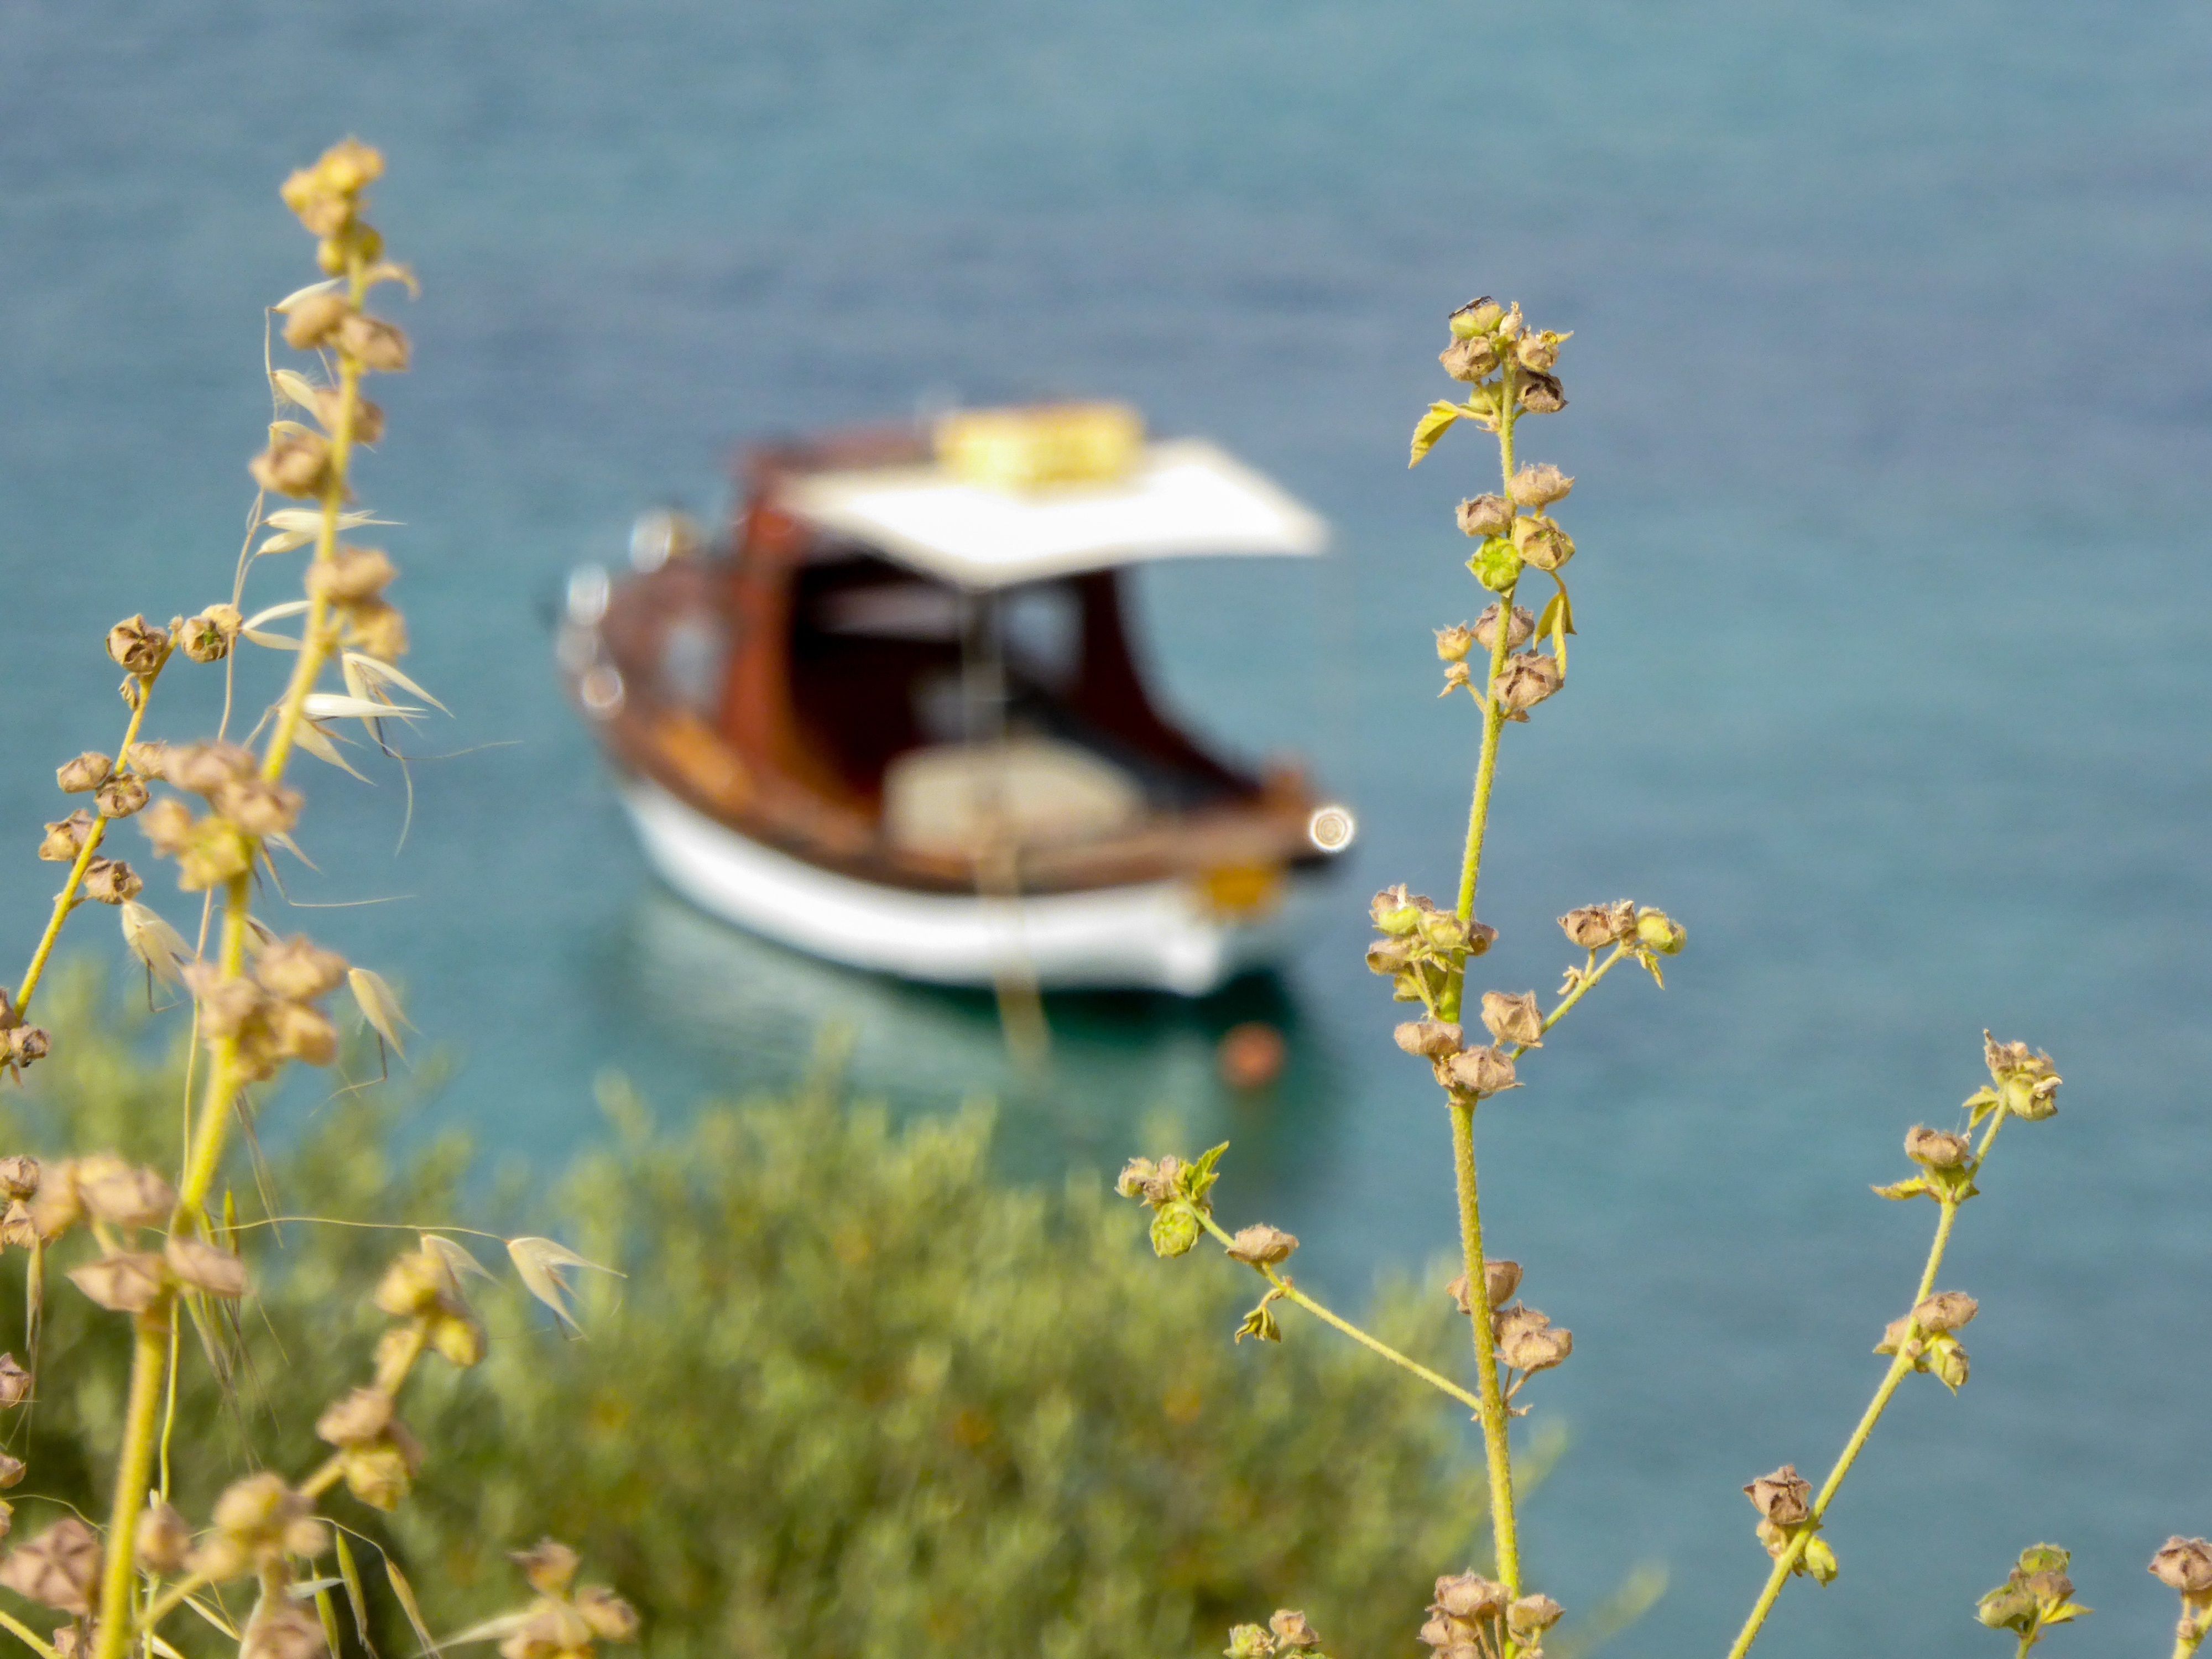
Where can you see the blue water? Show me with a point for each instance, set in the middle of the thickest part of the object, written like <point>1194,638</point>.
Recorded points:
<point>1890,410</point>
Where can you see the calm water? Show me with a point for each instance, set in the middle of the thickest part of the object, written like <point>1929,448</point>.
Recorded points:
<point>1890,410</point>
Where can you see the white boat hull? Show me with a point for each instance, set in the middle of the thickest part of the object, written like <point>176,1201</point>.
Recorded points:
<point>1157,935</point>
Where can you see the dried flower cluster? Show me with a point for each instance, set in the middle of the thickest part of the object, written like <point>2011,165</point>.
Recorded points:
<point>153,1249</point>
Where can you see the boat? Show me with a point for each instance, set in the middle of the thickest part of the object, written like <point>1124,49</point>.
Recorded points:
<point>896,718</point>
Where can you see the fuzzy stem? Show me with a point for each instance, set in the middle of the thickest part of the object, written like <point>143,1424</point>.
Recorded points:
<point>1374,1345</point>
<point>2189,1634</point>
<point>149,1349</point>
<point>223,1078</point>
<point>1505,1528</point>
<point>1784,1563</point>
<point>65,901</point>
<point>30,1638</point>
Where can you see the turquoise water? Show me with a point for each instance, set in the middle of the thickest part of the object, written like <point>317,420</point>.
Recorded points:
<point>1890,409</point>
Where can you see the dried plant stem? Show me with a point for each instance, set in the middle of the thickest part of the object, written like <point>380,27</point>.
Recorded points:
<point>65,901</point>
<point>1899,1367</point>
<point>1373,1345</point>
<point>149,1354</point>
<point>1496,1446</point>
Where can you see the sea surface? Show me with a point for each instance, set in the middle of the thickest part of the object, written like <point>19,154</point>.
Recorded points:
<point>1891,392</point>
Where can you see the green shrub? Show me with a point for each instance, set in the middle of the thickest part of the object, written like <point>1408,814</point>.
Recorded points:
<point>854,1395</point>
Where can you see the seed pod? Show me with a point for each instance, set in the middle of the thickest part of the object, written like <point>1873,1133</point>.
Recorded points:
<point>258,806</point>
<point>1476,317</point>
<point>1785,1498</point>
<point>1934,1149</point>
<point>1501,1278</point>
<point>1136,1175</point>
<point>549,1565</point>
<point>257,1508</point>
<point>1541,543</point>
<point>303,1033</point>
<point>169,824</point>
<point>1453,643</point>
<point>122,1194</point>
<point>359,1417</point>
<point>1262,1245</point>
<point>1469,1596</point>
<point>27,1043</point>
<point>1514,1019</point>
<point>58,1568</point>
<point>281,1629</point>
<point>217,850</point>
<point>15,1382</point>
<point>298,969</point>
<point>1245,1642</point>
<point>1173,1232</point>
<point>1481,1072</point>
<point>379,346</point>
<point>356,574</point>
<point>1432,1039</point>
<point>613,1619</point>
<point>120,797</point>
<point>226,1004</point>
<point>2184,1564</point>
<point>18,1176</point>
<point>458,1337</point>
<point>1541,394</point>
<point>66,838</point>
<point>1396,913</point>
<point>413,1283</point>
<point>1540,484</point>
<point>1486,515</point>
<point>128,1281</point>
<point>205,767</point>
<point>1523,630</point>
<point>84,773</point>
<point>1946,1310</point>
<point>110,881</point>
<point>137,645</point>
<point>1292,1629</point>
<point>1590,927</point>
<point>378,630</point>
<point>1539,350</point>
<point>1532,1615</point>
<point>1529,676</point>
<point>1469,360</point>
<point>312,321</point>
<point>294,464</point>
<point>1496,565</point>
<point>162,1540</point>
<point>367,417</point>
<point>208,636</point>
<point>1528,1341</point>
<point>205,1267</point>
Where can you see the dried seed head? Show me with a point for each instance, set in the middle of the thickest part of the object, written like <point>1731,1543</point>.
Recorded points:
<point>57,1207</point>
<point>360,1416</point>
<point>1501,1278</point>
<point>162,1540</point>
<point>1934,1149</point>
<point>12,1470</point>
<point>1785,1498</point>
<point>415,1282</point>
<point>367,417</point>
<point>1248,1641</point>
<point>1591,926</point>
<point>1481,1072</point>
<point>58,1568</point>
<point>258,806</point>
<point>1432,1039</point>
<point>18,1176</point>
<point>20,1228</point>
<point>65,839</point>
<point>1541,394</point>
<point>149,761</point>
<point>294,464</point>
<point>379,346</point>
<point>312,321</point>
<point>205,767</point>
<point>169,824</point>
<point>1540,485</point>
<point>257,1508</point>
<point>1540,348</point>
<point>1469,359</point>
<point>2184,1564</point>
<point>1946,1310</point>
<point>127,1281</point>
<point>1657,931</point>
<point>1529,676</point>
<point>611,1618</point>
<point>1523,630</point>
<point>1292,1629</point>
<point>1262,1245</point>
<point>1456,678</point>
<point>111,881</point>
<point>1135,1177</point>
<point>1396,913</point>
<point>120,797</point>
<point>1514,1019</point>
<point>226,1004</point>
<point>378,630</point>
<point>1528,1341</point>
<point>1541,543</point>
<point>303,1033</point>
<point>356,574</point>
<point>217,850</point>
<point>206,1268</point>
<point>299,969</point>
<point>137,645</point>
<point>1532,1615</point>
<point>122,1194</point>
<point>86,773</point>
<point>15,1382</point>
<point>1481,516</point>
<point>458,1337</point>
<point>2027,1082</point>
<point>281,1629</point>
<point>1453,643</point>
<point>1469,1596</point>
<point>27,1043</point>
<point>549,1565</point>
<point>208,636</point>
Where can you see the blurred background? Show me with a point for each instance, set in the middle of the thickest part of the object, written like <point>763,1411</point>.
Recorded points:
<point>1889,410</point>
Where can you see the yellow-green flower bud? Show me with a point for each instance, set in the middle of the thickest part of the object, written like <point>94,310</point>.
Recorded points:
<point>1657,931</point>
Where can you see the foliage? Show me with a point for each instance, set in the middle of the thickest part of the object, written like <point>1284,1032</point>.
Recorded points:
<point>853,1396</point>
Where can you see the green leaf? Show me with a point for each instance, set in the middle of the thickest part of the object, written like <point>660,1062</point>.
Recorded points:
<point>1432,426</point>
<point>1910,1187</point>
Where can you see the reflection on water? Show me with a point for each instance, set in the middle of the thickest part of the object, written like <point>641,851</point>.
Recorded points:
<point>753,1012</point>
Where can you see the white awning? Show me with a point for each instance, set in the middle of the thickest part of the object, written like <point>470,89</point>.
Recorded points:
<point>1184,498</point>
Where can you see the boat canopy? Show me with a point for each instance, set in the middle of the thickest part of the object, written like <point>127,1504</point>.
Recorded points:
<point>1178,498</point>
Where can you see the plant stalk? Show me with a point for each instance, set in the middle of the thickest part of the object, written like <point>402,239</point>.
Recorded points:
<point>1504,1527</point>
<point>150,1352</point>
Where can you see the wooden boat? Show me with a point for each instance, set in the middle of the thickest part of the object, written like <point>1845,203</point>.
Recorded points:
<point>898,721</point>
